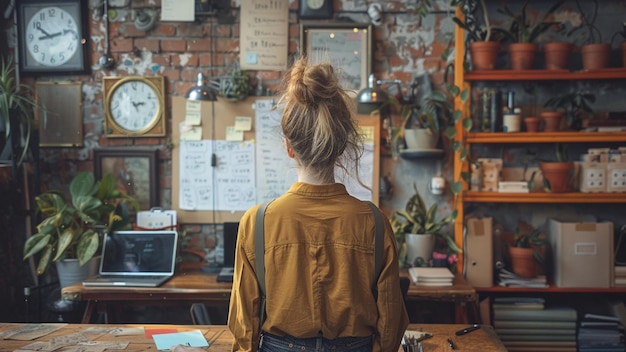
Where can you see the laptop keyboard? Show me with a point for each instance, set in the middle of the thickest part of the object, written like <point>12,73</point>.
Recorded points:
<point>134,278</point>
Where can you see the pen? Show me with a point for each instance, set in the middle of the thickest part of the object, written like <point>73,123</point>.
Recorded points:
<point>451,344</point>
<point>467,330</point>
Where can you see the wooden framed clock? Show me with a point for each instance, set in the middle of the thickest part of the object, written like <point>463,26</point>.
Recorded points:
<point>52,36</point>
<point>316,9</point>
<point>134,106</point>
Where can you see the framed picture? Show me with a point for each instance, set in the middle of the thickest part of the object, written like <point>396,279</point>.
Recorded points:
<point>135,172</point>
<point>52,36</point>
<point>347,46</point>
<point>62,124</point>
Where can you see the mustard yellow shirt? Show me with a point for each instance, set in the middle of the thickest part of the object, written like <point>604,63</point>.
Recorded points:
<point>319,264</point>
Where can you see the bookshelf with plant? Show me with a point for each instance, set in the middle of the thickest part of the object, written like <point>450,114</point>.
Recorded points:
<point>476,141</point>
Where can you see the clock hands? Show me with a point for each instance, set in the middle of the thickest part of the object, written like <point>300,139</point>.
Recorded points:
<point>51,36</point>
<point>137,104</point>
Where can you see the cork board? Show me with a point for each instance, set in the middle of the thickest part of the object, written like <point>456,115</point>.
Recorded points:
<point>225,112</point>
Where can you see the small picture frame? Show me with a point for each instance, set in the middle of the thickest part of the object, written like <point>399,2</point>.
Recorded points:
<point>347,46</point>
<point>62,123</point>
<point>135,172</point>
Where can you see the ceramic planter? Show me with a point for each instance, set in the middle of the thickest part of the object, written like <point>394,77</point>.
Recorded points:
<point>523,262</point>
<point>420,139</point>
<point>70,272</point>
<point>532,123</point>
<point>557,55</point>
<point>551,120</point>
<point>558,175</point>
<point>595,56</point>
<point>484,54</point>
<point>522,55</point>
<point>419,246</point>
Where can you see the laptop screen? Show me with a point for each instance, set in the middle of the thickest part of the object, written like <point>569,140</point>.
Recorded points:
<point>230,240</point>
<point>139,252</point>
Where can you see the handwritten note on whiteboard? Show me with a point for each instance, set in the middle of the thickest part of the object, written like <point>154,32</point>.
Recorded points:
<point>227,186</point>
<point>264,37</point>
<point>276,172</point>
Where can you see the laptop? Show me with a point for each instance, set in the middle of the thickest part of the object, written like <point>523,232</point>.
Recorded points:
<point>136,258</point>
<point>230,241</point>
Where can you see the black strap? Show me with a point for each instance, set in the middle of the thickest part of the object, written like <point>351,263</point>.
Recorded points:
<point>259,251</point>
<point>259,256</point>
<point>378,245</point>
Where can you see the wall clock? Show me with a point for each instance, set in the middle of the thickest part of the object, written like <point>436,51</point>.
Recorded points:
<point>134,106</point>
<point>52,36</point>
<point>316,9</point>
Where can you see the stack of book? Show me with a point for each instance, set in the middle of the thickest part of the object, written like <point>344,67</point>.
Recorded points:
<point>527,324</point>
<point>431,276</point>
<point>620,276</point>
<point>509,279</point>
<point>603,331</point>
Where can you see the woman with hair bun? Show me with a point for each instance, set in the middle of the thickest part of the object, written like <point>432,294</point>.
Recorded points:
<point>319,240</point>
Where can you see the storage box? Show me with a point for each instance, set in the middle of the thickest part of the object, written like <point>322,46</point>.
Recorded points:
<point>616,177</point>
<point>582,253</point>
<point>593,177</point>
<point>492,169</point>
<point>479,264</point>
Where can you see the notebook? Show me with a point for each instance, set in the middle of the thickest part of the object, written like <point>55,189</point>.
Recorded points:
<point>230,240</point>
<point>136,258</point>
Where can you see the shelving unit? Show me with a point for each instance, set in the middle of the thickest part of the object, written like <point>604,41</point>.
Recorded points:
<point>465,80</point>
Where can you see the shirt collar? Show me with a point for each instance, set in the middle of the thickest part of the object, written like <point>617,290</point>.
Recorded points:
<point>307,189</point>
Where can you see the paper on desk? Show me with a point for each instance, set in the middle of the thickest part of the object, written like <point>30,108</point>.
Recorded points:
<point>117,331</point>
<point>192,338</point>
<point>31,331</point>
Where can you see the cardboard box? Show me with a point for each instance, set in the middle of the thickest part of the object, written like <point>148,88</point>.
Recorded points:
<point>582,253</point>
<point>478,251</point>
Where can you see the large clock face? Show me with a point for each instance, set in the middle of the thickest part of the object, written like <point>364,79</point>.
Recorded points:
<point>52,36</point>
<point>315,4</point>
<point>134,106</point>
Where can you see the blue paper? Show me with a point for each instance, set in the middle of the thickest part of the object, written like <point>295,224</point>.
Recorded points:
<point>188,338</point>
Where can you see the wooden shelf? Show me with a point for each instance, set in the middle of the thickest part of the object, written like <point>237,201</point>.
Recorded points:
<point>541,197</point>
<point>546,137</point>
<point>550,289</point>
<point>545,75</point>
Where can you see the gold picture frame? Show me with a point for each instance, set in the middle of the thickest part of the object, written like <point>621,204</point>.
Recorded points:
<point>347,46</point>
<point>62,123</point>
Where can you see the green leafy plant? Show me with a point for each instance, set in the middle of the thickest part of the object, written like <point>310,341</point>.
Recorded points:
<point>529,237</point>
<point>235,85</point>
<point>72,228</point>
<point>418,218</point>
<point>17,109</point>
<point>576,106</point>
<point>524,29</point>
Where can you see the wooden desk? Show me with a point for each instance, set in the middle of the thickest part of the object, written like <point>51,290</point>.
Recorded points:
<point>196,286</point>
<point>220,338</point>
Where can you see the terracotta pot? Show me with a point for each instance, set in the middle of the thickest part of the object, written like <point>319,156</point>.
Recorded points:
<point>557,55</point>
<point>484,54</point>
<point>558,175</point>
<point>551,120</point>
<point>523,262</point>
<point>522,55</point>
<point>532,123</point>
<point>595,56</point>
<point>623,48</point>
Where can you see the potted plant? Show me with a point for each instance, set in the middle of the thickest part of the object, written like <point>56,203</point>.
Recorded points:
<point>72,227</point>
<point>526,251</point>
<point>17,109</point>
<point>557,174</point>
<point>523,33</point>
<point>235,85</point>
<point>576,106</point>
<point>418,230</point>
<point>483,49</point>
<point>595,53</point>
<point>423,121</point>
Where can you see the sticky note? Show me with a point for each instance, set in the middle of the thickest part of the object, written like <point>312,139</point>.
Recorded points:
<point>243,123</point>
<point>233,135</point>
